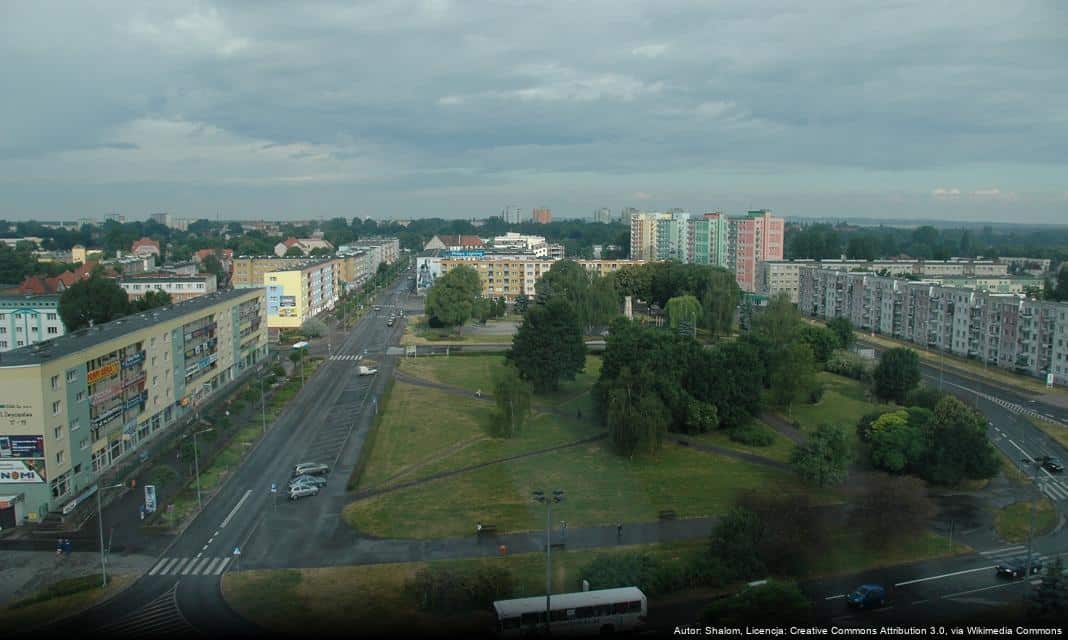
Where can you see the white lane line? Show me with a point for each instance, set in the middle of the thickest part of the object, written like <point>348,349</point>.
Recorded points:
<point>944,575</point>
<point>181,564</point>
<point>204,548</point>
<point>236,507</point>
<point>996,586</point>
<point>222,566</point>
<point>200,554</point>
<point>158,566</point>
<point>841,595</point>
<point>992,552</point>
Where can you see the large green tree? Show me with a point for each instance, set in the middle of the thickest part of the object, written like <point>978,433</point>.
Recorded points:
<point>94,300</point>
<point>635,416</point>
<point>451,300</point>
<point>897,445</point>
<point>152,299</point>
<point>958,447</point>
<point>793,376</point>
<point>897,373</point>
<point>512,396</point>
<point>1048,602</point>
<point>822,340</point>
<point>548,346</point>
<point>842,328</point>
<point>823,458</point>
<point>683,309</point>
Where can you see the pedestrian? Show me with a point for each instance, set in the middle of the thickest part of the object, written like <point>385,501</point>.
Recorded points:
<point>59,546</point>
<point>619,532</point>
<point>478,528</point>
<point>563,529</point>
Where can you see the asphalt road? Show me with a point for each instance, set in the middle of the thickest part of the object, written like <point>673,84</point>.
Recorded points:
<point>326,422</point>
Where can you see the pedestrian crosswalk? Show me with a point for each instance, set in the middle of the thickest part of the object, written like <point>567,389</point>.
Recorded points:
<point>1015,551</point>
<point>1055,489</point>
<point>190,567</point>
<point>352,357</point>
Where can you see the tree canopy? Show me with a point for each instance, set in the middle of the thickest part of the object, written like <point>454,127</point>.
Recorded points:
<point>450,301</point>
<point>823,459</point>
<point>94,300</point>
<point>897,373</point>
<point>548,346</point>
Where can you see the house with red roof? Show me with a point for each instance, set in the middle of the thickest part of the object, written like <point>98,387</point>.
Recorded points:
<point>454,243</point>
<point>145,246</point>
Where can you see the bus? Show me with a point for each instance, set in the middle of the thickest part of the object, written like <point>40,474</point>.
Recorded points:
<point>579,613</point>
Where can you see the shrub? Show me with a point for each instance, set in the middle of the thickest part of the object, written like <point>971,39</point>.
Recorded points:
<point>850,365</point>
<point>753,435</point>
<point>924,397</point>
<point>651,575</point>
<point>815,394</point>
<point>61,588</point>
<point>161,476</point>
<point>445,590</point>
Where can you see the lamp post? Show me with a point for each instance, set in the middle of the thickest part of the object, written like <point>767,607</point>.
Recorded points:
<point>196,463</point>
<point>539,496</point>
<point>100,523</point>
<point>263,405</point>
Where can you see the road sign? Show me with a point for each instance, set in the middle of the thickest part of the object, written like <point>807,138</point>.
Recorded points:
<point>274,488</point>
<point>237,551</point>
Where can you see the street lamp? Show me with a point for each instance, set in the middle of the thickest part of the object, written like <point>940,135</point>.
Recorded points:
<point>100,523</point>
<point>539,496</point>
<point>263,405</point>
<point>196,463</point>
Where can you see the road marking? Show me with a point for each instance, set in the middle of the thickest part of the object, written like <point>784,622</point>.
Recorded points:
<point>180,565</point>
<point>204,548</point>
<point>944,575</point>
<point>222,566</point>
<point>200,566</point>
<point>211,566</point>
<point>200,554</point>
<point>842,595</point>
<point>992,552</point>
<point>916,602</point>
<point>158,566</point>
<point>996,586</point>
<point>236,507</point>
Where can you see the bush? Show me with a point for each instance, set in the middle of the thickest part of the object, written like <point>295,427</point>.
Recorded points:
<point>313,327</point>
<point>67,587</point>
<point>651,575</point>
<point>753,435</point>
<point>161,476</point>
<point>444,590</point>
<point>815,394</point>
<point>924,397</point>
<point>850,365</point>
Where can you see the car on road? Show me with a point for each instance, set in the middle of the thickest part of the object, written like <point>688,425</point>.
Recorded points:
<point>867,596</point>
<point>1053,465</point>
<point>1017,567</point>
<point>315,481</point>
<point>302,491</point>
<point>310,469</point>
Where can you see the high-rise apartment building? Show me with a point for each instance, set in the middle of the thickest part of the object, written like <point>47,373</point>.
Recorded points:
<point>542,215</point>
<point>626,214</point>
<point>604,214</point>
<point>708,239</point>
<point>750,240</point>
<point>161,218</point>
<point>512,215</point>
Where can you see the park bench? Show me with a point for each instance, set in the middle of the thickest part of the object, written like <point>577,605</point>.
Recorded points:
<point>667,514</point>
<point>487,529</point>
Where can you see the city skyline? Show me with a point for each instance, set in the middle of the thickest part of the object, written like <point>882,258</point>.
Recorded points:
<point>909,112</point>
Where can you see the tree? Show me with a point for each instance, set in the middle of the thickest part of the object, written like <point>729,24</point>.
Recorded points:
<point>1049,599</point>
<point>735,541</point>
<point>636,417</point>
<point>888,509</point>
<point>450,301</point>
<point>548,346</point>
<point>897,373</point>
<point>152,299</point>
<point>958,447</point>
<point>734,378</point>
<point>321,251</point>
<point>294,252</point>
<point>821,340</point>
<point>842,328</point>
<point>793,375</point>
<point>313,328</point>
<point>520,305</point>
<point>773,603</point>
<point>823,459</point>
<point>796,532</point>
<point>95,300</point>
<point>683,308</point>
<point>512,396</point>
<point>896,444</point>
<point>211,264</point>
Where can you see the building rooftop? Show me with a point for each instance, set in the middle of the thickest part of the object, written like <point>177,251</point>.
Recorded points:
<point>306,264</point>
<point>86,338</point>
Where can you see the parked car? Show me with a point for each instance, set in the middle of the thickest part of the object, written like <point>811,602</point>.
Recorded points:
<point>1017,567</point>
<point>310,468</point>
<point>1053,465</point>
<point>315,481</point>
<point>867,596</point>
<point>302,491</point>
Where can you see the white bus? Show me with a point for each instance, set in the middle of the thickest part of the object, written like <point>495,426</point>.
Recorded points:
<point>580,613</point>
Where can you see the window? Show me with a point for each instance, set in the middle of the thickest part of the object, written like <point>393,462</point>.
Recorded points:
<point>53,331</point>
<point>83,444</point>
<point>50,316</point>
<point>55,408</point>
<point>72,375</point>
<point>75,424</point>
<point>80,396</point>
<point>3,329</point>
<point>59,457</point>
<point>3,344</point>
<point>55,382</point>
<point>155,380</point>
<point>77,468</point>
<point>57,431</point>
<point>153,361</point>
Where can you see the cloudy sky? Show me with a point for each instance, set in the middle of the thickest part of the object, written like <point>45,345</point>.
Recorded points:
<point>437,107</point>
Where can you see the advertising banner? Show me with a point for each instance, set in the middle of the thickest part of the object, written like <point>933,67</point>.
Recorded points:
<point>133,360</point>
<point>24,470</point>
<point>21,447</point>
<point>150,498</point>
<point>288,301</point>
<point>103,396</point>
<point>106,371</point>
<point>106,417</point>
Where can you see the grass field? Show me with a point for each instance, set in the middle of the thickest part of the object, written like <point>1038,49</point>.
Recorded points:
<point>779,450</point>
<point>843,403</point>
<point>416,331</point>
<point>1014,521</point>
<point>601,488</point>
<point>1058,432</point>
<point>476,372</point>
<point>23,618</point>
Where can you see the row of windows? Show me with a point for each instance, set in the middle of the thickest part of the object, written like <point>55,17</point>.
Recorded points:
<point>561,615</point>
<point>18,316</point>
<point>51,330</point>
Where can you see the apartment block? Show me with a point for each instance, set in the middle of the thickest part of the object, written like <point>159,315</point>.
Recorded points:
<point>707,239</point>
<point>76,406</point>
<point>28,319</point>
<point>513,241</point>
<point>511,276</point>
<point>1007,330</point>
<point>298,292</point>
<point>541,215</point>
<point>180,287</point>
<point>775,276</point>
<point>248,271</point>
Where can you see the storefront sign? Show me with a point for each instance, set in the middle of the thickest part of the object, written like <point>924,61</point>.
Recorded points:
<point>133,360</point>
<point>106,371</point>
<point>136,400</point>
<point>138,380</point>
<point>102,396</point>
<point>150,498</point>
<point>21,447</point>
<point>109,415</point>
<point>29,470</point>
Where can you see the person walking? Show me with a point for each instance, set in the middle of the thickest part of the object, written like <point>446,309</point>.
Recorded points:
<point>619,532</point>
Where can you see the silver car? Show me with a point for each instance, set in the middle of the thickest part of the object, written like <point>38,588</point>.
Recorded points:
<point>302,491</point>
<point>310,468</point>
<point>315,481</point>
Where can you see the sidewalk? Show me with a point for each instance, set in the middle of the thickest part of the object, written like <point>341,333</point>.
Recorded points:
<point>23,573</point>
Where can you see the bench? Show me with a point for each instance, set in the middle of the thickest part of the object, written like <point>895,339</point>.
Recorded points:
<point>486,529</point>
<point>667,514</point>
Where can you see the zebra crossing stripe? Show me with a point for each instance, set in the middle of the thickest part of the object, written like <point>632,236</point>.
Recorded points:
<point>211,566</point>
<point>222,566</point>
<point>181,565</point>
<point>159,565</point>
<point>170,565</point>
<point>203,562</point>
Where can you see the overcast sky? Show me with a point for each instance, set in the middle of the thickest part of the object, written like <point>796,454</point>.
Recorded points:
<point>406,109</point>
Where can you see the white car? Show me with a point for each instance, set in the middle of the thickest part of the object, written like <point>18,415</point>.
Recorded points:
<point>302,491</point>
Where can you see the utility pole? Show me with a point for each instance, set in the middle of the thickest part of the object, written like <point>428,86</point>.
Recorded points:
<point>1031,526</point>
<point>263,406</point>
<point>557,496</point>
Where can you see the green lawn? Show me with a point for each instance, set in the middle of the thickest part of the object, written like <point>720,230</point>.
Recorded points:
<point>1058,432</point>
<point>601,487</point>
<point>843,403</point>
<point>779,450</point>
<point>39,613</point>
<point>1014,521</point>
<point>476,372</point>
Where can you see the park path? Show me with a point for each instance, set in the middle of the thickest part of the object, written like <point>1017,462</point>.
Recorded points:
<point>788,430</point>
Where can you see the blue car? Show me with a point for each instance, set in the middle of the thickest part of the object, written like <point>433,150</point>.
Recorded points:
<point>867,596</point>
